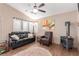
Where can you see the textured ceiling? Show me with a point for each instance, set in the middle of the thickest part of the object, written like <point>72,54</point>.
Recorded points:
<point>50,8</point>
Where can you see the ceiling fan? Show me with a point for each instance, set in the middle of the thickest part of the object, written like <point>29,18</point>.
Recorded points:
<point>37,8</point>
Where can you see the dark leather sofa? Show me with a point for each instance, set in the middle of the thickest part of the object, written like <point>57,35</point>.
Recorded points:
<point>23,39</point>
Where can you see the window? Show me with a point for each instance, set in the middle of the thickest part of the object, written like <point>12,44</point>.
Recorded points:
<point>25,26</point>
<point>22,25</point>
<point>31,28</point>
<point>16,25</point>
<point>35,27</point>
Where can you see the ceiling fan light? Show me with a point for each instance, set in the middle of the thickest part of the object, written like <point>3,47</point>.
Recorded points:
<point>35,10</point>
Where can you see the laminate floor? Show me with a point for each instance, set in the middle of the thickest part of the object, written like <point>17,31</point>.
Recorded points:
<point>55,50</point>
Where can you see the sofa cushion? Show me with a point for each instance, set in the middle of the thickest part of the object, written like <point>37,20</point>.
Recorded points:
<point>24,39</point>
<point>21,36</point>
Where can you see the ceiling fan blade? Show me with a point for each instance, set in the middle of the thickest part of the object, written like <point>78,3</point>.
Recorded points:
<point>41,5</point>
<point>41,10</point>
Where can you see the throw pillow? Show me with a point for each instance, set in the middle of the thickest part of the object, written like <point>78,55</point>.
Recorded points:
<point>15,37</point>
<point>30,35</point>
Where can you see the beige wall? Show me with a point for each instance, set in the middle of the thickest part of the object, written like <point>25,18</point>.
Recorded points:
<point>0,29</point>
<point>60,29</point>
<point>78,29</point>
<point>6,15</point>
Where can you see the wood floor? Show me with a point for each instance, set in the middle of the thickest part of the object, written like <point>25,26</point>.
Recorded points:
<point>55,50</point>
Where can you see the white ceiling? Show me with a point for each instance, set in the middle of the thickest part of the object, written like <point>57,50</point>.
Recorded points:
<point>50,8</point>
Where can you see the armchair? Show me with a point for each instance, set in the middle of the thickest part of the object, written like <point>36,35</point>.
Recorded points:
<point>47,39</point>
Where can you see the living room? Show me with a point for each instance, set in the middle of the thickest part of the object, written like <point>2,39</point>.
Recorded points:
<point>38,19</point>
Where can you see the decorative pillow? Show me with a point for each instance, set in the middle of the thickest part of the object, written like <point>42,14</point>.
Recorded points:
<point>15,37</point>
<point>30,35</point>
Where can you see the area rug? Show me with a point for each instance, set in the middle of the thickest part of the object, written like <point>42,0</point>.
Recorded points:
<point>34,51</point>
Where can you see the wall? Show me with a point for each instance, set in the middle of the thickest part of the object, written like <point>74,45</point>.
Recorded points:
<point>78,29</point>
<point>60,29</point>
<point>6,15</point>
<point>0,28</point>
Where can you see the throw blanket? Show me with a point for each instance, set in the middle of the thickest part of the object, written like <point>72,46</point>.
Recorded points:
<point>34,51</point>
